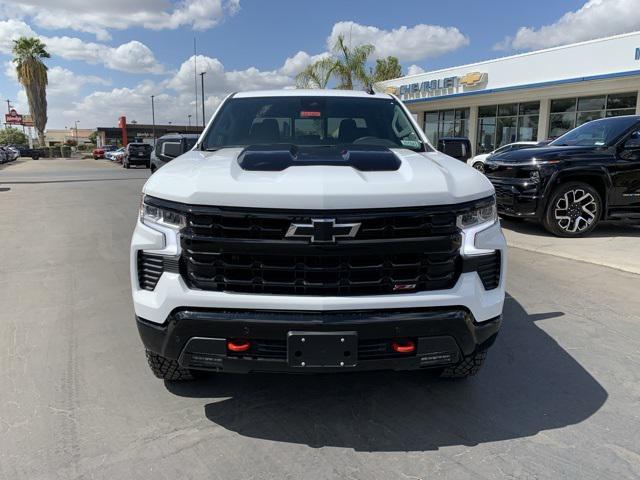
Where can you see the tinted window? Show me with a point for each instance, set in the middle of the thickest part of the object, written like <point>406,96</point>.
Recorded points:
<point>317,121</point>
<point>598,133</point>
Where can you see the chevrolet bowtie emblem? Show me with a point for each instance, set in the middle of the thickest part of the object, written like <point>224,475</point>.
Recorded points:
<point>322,230</point>
<point>472,79</point>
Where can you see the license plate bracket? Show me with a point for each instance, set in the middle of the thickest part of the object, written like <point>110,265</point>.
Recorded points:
<point>322,349</point>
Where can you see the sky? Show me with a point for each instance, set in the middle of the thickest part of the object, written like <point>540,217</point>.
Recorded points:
<point>109,57</point>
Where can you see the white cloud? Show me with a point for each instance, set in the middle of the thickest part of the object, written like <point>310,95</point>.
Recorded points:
<point>405,43</point>
<point>415,69</point>
<point>133,56</point>
<point>596,18</point>
<point>174,97</point>
<point>219,81</point>
<point>294,65</point>
<point>103,16</point>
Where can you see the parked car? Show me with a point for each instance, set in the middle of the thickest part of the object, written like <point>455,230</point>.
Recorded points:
<point>112,154</point>
<point>456,147</point>
<point>477,161</point>
<point>293,240</point>
<point>13,153</point>
<point>5,155</point>
<point>137,153</point>
<point>25,151</point>
<point>171,146</point>
<point>119,157</point>
<point>100,151</point>
<point>589,174</point>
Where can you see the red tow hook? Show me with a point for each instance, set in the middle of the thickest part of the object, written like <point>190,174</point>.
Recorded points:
<point>238,345</point>
<point>403,346</point>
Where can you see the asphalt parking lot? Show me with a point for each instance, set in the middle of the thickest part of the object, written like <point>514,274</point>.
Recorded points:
<point>558,398</point>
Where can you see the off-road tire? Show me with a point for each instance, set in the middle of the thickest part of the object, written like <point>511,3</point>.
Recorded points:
<point>167,369</point>
<point>468,367</point>
<point>551,223</point>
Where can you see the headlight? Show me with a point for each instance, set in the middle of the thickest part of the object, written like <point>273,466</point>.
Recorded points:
<point>152,216</point>
<point>478,216</point>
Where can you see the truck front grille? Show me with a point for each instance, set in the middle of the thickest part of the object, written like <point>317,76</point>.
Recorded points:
<point>394,251</point>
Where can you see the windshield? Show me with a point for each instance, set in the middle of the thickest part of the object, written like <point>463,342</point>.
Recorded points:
<point>312,121</point>
<point>597,133</point>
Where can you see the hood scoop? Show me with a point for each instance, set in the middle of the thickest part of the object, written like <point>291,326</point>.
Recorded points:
<point>275,158</point>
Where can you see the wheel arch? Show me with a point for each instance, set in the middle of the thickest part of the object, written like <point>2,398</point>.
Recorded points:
<point>595,178</point>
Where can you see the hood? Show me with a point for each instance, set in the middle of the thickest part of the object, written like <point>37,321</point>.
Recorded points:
<point>525,155</point>
<point>216,178</point>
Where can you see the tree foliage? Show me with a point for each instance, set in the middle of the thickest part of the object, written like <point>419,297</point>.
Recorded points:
<point>28,55</point>
<point>13,136</point>
<point>387,69</point>
<point>351,64</point>
<point>316,75</point>
<point>347,65</point>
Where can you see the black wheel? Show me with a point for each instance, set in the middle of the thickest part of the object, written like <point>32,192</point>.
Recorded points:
<point>479,166</point>
<point>574,209</point>
<point>126,164</point>
<point>167,369</point>
<point>153,168</point>
<point>468,367</point>
<point>35,157</point>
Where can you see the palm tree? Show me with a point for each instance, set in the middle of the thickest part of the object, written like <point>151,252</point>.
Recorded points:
<point>32,74</point>
<point>316,75</point>
<point>351,64</point>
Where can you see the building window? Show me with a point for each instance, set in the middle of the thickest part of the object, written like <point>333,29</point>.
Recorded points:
<point>568,113</point>
<point>446,123</point>
<point>502,124</point>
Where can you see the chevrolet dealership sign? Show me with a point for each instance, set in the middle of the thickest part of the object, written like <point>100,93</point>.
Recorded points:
<point>441,86</point>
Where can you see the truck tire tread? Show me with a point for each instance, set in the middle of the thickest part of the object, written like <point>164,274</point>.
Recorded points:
<point>167,369</point>
<point>468,367</point>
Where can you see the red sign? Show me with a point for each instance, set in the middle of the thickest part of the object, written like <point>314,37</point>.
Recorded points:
<point>13,117</point>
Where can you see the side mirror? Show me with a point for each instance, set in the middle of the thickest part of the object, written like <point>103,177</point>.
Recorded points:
<point>172,149</point>
<point>459,148</point>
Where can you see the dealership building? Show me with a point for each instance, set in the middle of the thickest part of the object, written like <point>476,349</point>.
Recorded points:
<point>533,96</point>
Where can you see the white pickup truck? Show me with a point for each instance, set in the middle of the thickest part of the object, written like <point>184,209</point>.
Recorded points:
<point>315,231</point>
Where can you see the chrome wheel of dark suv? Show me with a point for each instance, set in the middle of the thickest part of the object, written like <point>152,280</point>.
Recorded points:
<point>573,210</point>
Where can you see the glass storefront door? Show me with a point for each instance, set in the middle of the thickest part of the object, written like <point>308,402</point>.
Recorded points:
<point>502,124</point>
<point>446,123</point>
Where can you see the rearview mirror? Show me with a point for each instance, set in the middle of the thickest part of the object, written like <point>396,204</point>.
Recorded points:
<point>172,149</point>
<point>459,148</point>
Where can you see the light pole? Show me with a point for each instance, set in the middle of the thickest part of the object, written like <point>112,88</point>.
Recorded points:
<point>77,122</point>
<point>189,123</point>
<point>153,121</point>
<point>202,74</point>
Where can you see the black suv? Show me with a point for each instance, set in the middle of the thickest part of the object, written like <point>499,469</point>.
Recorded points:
<point>137,154</point>
<point>589,174</point>
<point>171,146</point>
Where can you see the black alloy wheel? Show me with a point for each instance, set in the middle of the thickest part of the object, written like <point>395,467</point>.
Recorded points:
<point>574,210</point>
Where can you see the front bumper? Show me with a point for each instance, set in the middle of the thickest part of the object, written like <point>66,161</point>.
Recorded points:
<point>171,292</point>
<point>517,197</point>
<point>197,337</point>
